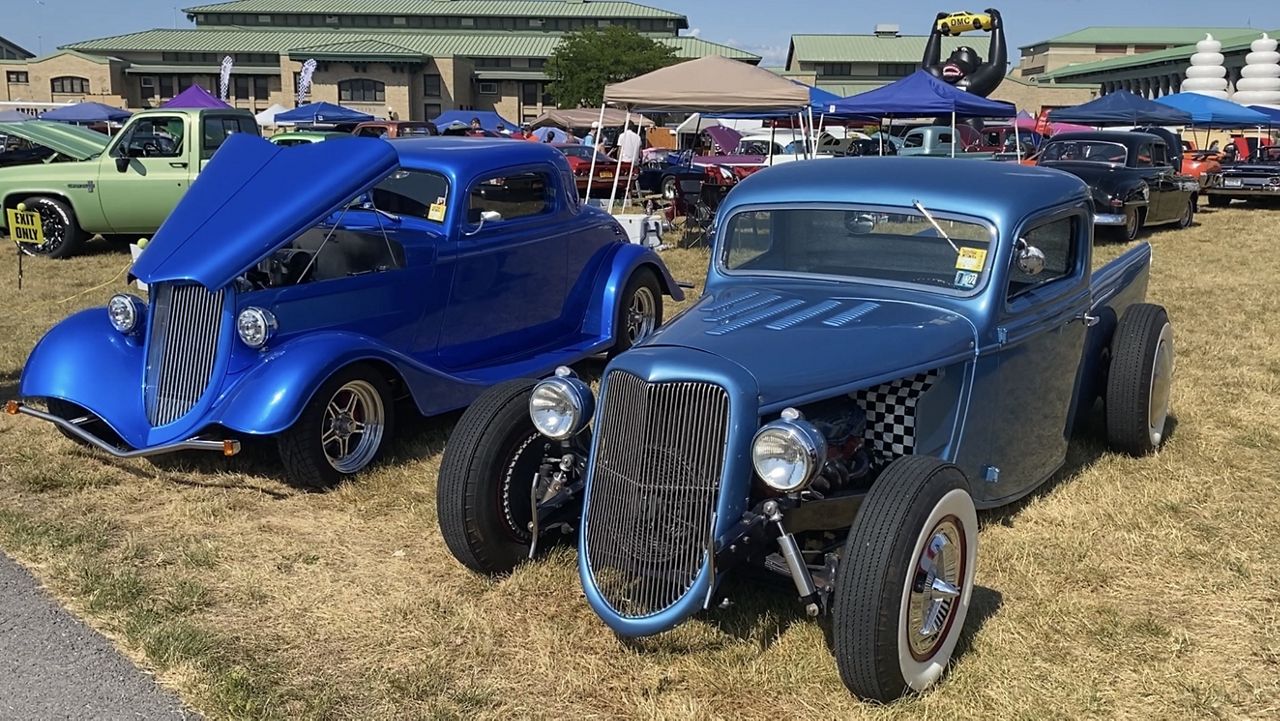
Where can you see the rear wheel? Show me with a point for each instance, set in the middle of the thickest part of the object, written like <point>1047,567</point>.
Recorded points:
<point>342,430</point>
<point>1140,380</point>
<point>905,579</point>
<point>639,310</point>
<point>669,187</point>
<point>1188,213</point>
<point>62,234</point>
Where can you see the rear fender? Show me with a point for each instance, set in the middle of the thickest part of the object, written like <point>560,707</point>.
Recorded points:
<point>610,285</point>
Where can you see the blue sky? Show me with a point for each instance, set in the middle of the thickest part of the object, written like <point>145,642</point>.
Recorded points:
<point>761,26</point>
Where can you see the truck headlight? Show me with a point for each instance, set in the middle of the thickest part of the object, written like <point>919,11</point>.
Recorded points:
<point>788,453</point>
<point>561,406</point>
<point>255,326</point>
<point>125,312</point>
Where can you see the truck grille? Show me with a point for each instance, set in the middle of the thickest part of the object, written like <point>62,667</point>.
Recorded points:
<point>654,481</point>
<point>185,324</point>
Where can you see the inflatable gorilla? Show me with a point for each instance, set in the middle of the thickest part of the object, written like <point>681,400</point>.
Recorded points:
<point>964,68</point>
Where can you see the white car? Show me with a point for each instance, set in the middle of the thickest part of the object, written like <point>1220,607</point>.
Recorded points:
<point>788,145</point>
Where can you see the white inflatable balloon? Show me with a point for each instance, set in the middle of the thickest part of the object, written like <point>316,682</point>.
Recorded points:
<point>1259,82</point>
<point>1207,76</point>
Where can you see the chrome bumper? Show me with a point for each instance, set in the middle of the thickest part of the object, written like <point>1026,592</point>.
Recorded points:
<point>1109,219</point>
<point>225,447</point>
<point>1262,190</point>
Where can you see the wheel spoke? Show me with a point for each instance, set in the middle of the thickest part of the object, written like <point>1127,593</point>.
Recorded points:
<point>941,589</point>
<point>328,437</point>
<point>352,401</point>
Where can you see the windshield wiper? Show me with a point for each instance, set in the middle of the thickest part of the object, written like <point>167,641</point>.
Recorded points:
<point>929,217</point>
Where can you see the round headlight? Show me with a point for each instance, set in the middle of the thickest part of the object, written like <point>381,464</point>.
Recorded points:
<point>561,406</point>
<point>125,312</point>
<point>255,326</point>
<point>788,453</point>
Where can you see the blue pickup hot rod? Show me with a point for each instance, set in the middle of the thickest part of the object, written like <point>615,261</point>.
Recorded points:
<point>300,292</point>
<point>884,347</point>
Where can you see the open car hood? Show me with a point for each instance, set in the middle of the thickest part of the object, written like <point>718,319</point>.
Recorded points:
<point>798,341</point>
<point>255,197</point>
<point>72,141</point>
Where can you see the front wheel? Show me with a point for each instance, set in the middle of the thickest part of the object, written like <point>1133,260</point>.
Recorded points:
<point>1188,213</point>
<point>905,579</point>
<point>639,311</point>
<point>1140,380</point>
<point>341,431</point>
<point>484,492</point>
<point>1132,224</point>
<point>62,234</point>
<point>669,187</point>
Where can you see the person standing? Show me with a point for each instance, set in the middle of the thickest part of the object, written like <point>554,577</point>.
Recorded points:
<point>589,139</point>
<point>629,145</point>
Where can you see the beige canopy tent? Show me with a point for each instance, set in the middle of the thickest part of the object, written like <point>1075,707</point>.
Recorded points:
<point>584,117</point>
<point>712,84</point>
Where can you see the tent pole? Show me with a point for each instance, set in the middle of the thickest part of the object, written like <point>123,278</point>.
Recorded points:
<point>814,132</point>
<point>613,193</point>
<point>953,134</point>
<point>1017,136</point>
<point>595,150</point>
<point>773,132</point>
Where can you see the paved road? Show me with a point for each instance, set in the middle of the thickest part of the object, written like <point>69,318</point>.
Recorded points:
<point>52,666</point>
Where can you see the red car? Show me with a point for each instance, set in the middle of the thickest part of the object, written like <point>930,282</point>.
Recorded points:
<point>579,157</point>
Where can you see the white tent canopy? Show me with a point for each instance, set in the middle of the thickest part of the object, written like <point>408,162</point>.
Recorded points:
<point>268,116</point>
<point>712,84</point>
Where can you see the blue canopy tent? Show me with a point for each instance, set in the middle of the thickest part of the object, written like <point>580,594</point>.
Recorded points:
<point>917,95</point>
<point>1121,108</point>
<point>1208,111</point>
<point>489,120</point>
<point>86,113</point>
<point>14,116</point>
<point>1273,114</point>
<point>321,114</point>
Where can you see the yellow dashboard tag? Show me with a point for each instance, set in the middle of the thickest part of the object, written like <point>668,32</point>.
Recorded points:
<point>436,212</point>
<point>971,259</point>
<point>25,226</point>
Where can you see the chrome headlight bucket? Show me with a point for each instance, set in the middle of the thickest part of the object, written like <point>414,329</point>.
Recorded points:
<point>255,326</point>
<point>125,312</point>
<point>561,406</point>
<point>788,453</point>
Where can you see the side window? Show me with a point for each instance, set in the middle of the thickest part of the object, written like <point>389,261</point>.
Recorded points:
<point>154,137</point>
<point>1058,241</point>
<point>915,140</point>
<point>519,195</point>
<point>1158,156</point>
<point>1144,156</point>
<point>944,138</point>
<point>216,130</point>
<point>372,132</point>
<point>413,193</point>
<point>750,236</point>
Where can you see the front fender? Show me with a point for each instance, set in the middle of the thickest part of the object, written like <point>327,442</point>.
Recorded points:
<point>612,281</point>
<point>270,396</point>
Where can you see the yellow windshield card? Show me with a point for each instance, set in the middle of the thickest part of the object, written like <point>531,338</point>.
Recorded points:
<point>25,226</point>
<point>971,259</point>
<point>436,212</point>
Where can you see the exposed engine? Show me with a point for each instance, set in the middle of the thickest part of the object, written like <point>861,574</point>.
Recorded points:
<point>843,424</point>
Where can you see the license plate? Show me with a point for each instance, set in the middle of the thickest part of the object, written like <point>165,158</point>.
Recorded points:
<point>606,175</point>
<point>1232,182</point>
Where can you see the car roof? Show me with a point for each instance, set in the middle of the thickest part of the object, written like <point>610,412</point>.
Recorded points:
<point>1128,138</point>
<point>467,156</point>
<point>1000,192</point>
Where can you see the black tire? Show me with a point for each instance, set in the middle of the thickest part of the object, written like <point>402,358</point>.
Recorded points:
<point>486,477</point>
<point>62,234</point>
<point>307,463</point>
<point>68,410</point>
<point>1139,380</point>
<point>1188,213</point>
<point>669,187</point>
<point>1132,224</point>
<point>639,311</point>
<point>914,498</point>
<point>1219,201</point>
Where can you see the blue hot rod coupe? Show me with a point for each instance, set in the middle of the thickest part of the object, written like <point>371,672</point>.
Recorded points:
<point>884,347</point>
<point>301,292</point>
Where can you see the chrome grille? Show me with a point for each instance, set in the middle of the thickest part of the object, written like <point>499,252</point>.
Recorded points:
<point>185,323</point>
<point>654,481</point>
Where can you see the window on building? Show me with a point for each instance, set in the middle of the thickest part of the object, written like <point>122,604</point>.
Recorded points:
<point>1026,72</point>
<point>1057,240</point>
<point>241,85</point>
<point>362,90</point>
<point>535,23</point>
<point>1111,49</point>
<point>547,100</point>
<point>537,63</point>
<point>431,86</point>
<point>492,62</point>
<point>895,70</point>
<point>166,86</point>
<point>70,85</point>
<point>468,22</point>
<point>488,88</point>
<point>838,69</point>
<point>17,76</point>
<point>529,93</point>
<point>1148,48</point>
<point>431,111</point>
<point>260,89</point>
<point>515,196</point>
<point>331,19</point>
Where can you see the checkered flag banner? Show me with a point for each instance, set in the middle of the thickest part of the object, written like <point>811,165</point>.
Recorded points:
<point>304,81</point>
<point>891,415</point>
<point>224,77</point>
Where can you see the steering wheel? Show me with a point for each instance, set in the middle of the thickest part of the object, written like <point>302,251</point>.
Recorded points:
<point>150,147</point>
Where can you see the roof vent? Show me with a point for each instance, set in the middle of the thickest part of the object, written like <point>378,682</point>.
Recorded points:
<point>887,30</point>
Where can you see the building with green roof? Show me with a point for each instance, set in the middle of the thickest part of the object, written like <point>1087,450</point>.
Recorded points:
<point>410,59</point>
<point>1110,42</point>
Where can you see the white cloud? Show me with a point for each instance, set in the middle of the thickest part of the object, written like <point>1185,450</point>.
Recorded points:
<point>693,32</point>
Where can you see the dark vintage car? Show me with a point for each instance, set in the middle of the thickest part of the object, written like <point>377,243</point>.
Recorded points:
<point>1257,178</point>
<point>884,346</point>
<point>1133,177</point>
<point>421,270</point>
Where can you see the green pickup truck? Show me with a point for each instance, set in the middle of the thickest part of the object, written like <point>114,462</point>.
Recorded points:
<point>126,185</point>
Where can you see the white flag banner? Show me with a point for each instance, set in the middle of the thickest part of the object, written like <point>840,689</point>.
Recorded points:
<point>304,81</point>
<point>224,79</point>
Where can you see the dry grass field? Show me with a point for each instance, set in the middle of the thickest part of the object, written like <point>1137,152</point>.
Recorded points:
<point>1126,588</point>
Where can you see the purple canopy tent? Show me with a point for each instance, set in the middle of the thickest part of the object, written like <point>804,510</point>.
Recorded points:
<point>195,97</point>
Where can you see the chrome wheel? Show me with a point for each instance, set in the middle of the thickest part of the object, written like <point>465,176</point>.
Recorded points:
<point>937,583</point>
<point>1161,386</point>
<point>642,315</point>
<point>353,425</point>
<point>54,227</point>
<point>1131,224</point>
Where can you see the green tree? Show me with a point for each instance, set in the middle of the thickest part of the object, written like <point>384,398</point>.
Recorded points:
<point>584,62</point>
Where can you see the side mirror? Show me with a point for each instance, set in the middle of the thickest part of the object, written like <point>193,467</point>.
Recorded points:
<point>122,163</point>
<point>1030,259</point>
<point>475,215</point>
<point>859,223</point>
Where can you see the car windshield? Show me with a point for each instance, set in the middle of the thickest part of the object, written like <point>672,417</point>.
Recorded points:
<point>1085,151</point>
<point>580,151</point>
<point>892,246</point>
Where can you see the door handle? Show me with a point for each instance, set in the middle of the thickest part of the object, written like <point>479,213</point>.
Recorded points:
<point>1088,320</point>
<point>178,165</point>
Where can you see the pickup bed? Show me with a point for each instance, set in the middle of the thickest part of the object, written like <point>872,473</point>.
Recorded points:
<point>128,186</point>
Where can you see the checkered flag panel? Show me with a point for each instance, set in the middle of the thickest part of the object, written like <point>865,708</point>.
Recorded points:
<point>891,415</point>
